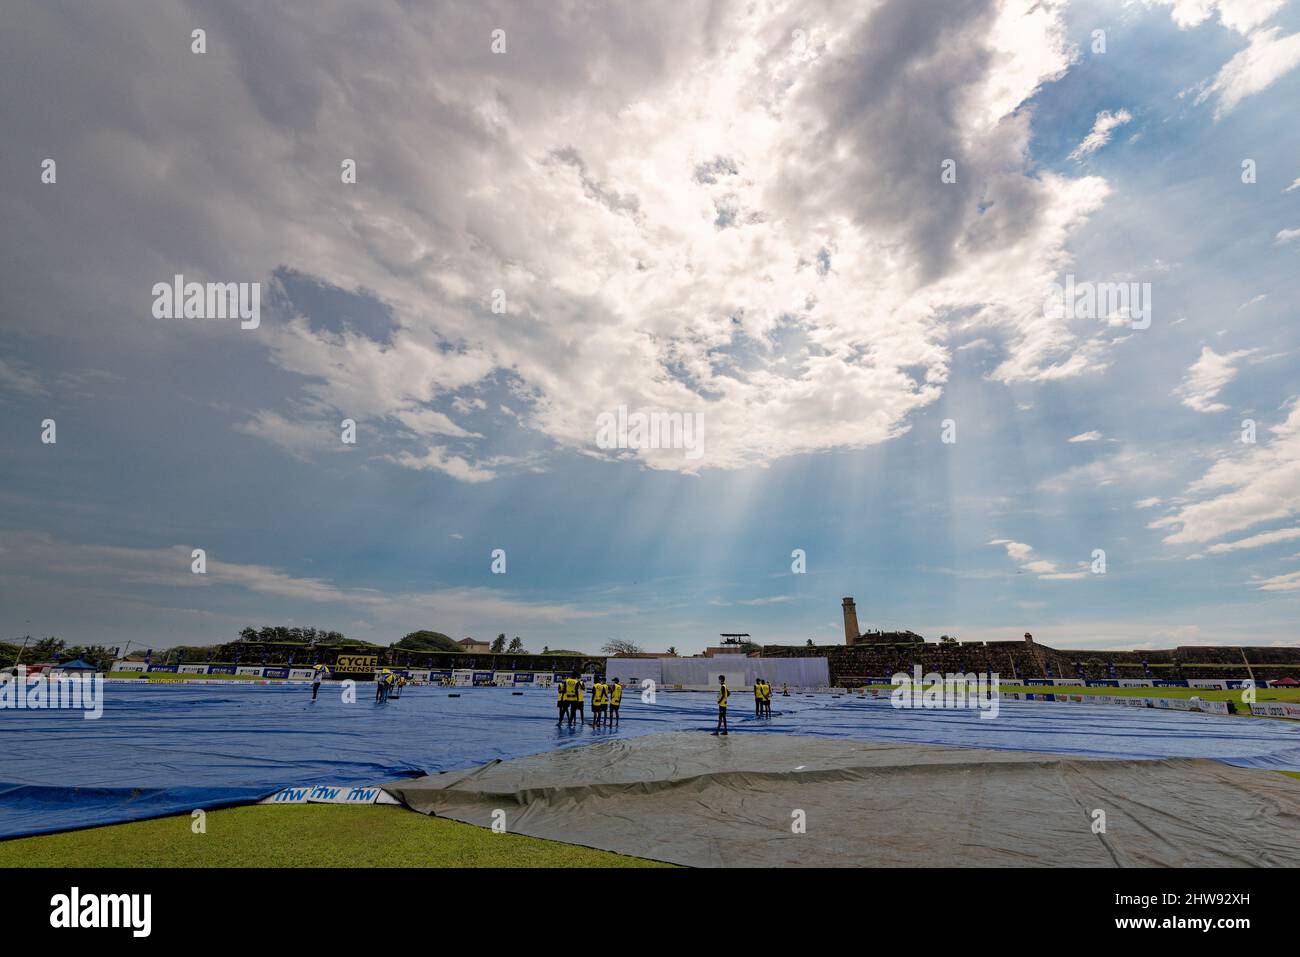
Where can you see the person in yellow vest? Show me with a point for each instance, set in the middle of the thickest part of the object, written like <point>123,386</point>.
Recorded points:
<point>599,698</point>
<point>723,695</point>
<point>758,697</point>
<point>571,697</point>
<point>615,697</point>
<point>767,698</point>
<point>582,702</point>
<point>561,705</point>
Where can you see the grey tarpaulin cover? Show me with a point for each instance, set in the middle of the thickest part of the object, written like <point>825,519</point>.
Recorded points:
<point>703,801</point>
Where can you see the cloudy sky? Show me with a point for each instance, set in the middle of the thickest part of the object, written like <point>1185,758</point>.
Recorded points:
<point>828,228</point>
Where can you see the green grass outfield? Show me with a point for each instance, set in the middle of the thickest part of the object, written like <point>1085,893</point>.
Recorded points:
<point>303,835</point>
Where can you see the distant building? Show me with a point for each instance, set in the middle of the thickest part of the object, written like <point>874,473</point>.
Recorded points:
<point>851,632</point>
<point>853,635</point>
<point>473,644</point>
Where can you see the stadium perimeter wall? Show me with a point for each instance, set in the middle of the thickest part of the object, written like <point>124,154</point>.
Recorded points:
<point>853,665</point>
<point>741,671</point>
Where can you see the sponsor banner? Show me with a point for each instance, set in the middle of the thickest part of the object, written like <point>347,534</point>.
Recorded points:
<point>302,674</point>
<point>192,669</point>
<point>275,672</point>
<point>543,679</point>
<point>249,670</point>
<point>221,669</point>
<point>1214,683</point>
<point>483,679</point>
<point>418,674</point>
<point>1235,684</point>
<point>437,677</point>
<point>1125,701</point>
<point>462,677</point>
<point>170,668</point>
<point>524,678</point>
<point>327,794</point>
<point>1102,683</point>
<point>356,664</point>
<point>503,679</point>
<point>1027,681</point>
<point>1277,709</point>
<point>1181,683</point>
<point>1136,683</point>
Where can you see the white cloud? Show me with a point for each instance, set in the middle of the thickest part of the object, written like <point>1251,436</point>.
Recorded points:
<point>1206,377</point>
<point>1016,551</point>
<point>1285,236</point>
<point>1288,582</point>
<point>27,552</point>
<point>433,422</point>
<point>301,438</point>
<point>1255,541</point>
<point>1267,58</point>
<point>1102,128</point>
<point>16,377</point>
<point>1046,570</point>
<point>1151,502</point>
<point>437,459</point>
<point>671,198</point>
<point>1252,485</point>
<point>1295,185</point>
<point>1093,436</point>
<point>1240,15</point>
<point>1136,466</point>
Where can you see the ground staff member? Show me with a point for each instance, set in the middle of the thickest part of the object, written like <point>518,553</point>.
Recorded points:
<point>723,695</point>
<point>615,696</point>
<point>560,704</point>
<point>317,675</point>
<point>571,698</point>
<point>598,700</point>
<point>758,697</point>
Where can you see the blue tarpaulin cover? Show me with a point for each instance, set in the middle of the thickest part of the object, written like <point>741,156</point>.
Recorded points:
<point>168,749</point>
